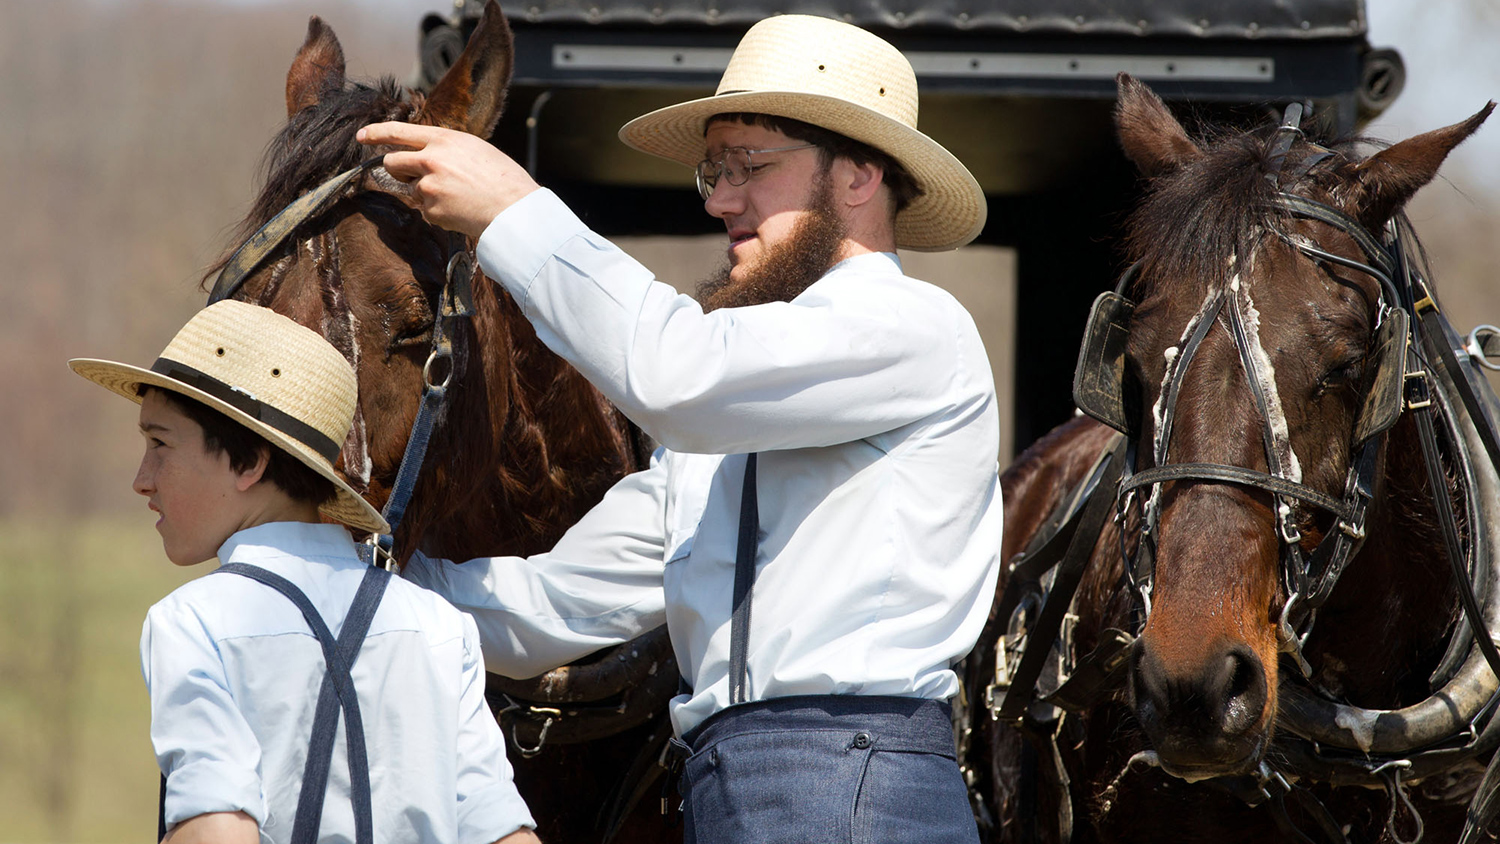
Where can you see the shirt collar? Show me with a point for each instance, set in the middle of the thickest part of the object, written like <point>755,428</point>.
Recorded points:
<point>869,262</point>
<point>301,539</point>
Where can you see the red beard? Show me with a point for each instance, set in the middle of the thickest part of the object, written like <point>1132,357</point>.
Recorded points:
<point>809,251</point>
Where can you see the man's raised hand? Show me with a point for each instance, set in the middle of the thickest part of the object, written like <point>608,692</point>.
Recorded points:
<point>459,181</point>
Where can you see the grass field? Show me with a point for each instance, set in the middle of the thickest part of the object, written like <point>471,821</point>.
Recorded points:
<point>75,757</point>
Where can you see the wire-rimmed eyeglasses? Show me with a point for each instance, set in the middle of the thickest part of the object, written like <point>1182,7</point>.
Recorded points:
<point>734,165</point>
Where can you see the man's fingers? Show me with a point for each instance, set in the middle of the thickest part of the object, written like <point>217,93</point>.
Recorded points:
<point>395,133</point>
<point>406,165</point>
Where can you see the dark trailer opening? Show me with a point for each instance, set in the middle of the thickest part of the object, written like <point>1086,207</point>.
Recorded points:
<point>1020,90</point>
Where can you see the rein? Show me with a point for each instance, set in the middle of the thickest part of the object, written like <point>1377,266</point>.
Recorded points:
<point>455,302</point>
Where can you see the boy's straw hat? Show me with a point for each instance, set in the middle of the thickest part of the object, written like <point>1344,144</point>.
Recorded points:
<point>266,372</point>
<point>841,78</point>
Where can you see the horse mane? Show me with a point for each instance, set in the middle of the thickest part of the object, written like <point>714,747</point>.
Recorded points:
<point>318,142</point>
<point>1194,219</point>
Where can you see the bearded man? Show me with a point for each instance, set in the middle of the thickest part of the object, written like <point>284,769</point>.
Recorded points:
<point>829,432</point>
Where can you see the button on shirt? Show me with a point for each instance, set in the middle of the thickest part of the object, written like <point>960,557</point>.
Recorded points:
<point>870,400</point>
<point>234,672</point>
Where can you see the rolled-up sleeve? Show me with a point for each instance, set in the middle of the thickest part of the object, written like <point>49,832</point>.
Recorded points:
<point>203,744</point>
<point>600,586</point>
<point>781,375</point>
<point>489,807</point>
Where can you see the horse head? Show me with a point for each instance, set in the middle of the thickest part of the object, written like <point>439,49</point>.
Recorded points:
<point>523,445</point>
<point>1248,351</point>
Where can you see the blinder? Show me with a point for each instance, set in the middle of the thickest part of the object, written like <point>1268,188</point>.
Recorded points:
<point>1099,378</point>
<point>1099,381</point>
<point>1383,399</point>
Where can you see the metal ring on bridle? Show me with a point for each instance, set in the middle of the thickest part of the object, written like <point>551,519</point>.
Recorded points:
<point>438,355</point>
<point>1475,345</point>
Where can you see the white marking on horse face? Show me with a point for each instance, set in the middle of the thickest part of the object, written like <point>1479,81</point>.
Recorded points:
<point>362,452</point>
<point>1265,373</point>
<point>1158,409</point>
<point>1170,356</point>
<point>357,453</point>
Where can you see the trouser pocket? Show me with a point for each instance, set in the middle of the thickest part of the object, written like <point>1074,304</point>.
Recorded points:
<point>782,787</point>
<point>908,796</point>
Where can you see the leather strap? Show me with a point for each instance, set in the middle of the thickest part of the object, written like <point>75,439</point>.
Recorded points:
<point>744,579</point>
<point>1064,584</point>
<point>1236,475</point>
<point>1380,259</point>
<point>260,245</point>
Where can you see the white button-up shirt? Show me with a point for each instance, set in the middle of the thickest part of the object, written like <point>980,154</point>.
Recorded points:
<point>234,672</point>
<point>870,400</point>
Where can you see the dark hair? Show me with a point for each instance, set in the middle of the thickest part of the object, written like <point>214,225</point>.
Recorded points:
<point>222,435</point>
<point>832,145</point>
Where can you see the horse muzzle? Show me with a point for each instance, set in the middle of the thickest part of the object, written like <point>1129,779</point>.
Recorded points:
<point>1208,719</point>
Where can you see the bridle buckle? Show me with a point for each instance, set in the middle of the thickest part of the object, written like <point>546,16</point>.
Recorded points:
<point>1418,390</point>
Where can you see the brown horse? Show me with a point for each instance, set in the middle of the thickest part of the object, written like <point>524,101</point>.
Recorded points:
<point>1253,693</point>
<point>524,445</point>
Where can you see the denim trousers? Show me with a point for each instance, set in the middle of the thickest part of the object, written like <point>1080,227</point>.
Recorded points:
<point>826,769</point>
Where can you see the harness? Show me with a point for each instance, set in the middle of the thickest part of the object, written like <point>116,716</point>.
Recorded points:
<point>1417,364</point>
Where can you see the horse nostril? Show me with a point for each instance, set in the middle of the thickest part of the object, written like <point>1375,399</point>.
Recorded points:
<point>1146,685</point>
<point>1242,688</point>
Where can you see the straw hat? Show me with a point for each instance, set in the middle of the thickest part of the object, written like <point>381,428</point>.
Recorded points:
<point>841,78</point>
<point>266,372</point>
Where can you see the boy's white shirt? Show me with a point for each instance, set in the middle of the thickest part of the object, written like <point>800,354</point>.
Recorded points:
<point>234,671</point>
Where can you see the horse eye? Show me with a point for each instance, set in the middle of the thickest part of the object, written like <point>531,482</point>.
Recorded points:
<point>411,336</point>
<point>1344,375</point>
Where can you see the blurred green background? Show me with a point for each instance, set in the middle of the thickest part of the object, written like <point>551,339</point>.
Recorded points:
<point>130,132</point>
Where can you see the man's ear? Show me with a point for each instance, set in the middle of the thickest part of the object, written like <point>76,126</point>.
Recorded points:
<point>860,182</point>
<point>250,476</point>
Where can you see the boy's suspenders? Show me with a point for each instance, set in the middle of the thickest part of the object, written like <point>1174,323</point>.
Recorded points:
<point>337,692</point>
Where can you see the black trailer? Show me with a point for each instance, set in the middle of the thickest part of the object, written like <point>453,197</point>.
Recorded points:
<point>1020,90</point>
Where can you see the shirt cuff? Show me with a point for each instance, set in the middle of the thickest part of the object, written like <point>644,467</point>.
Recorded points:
<point>523,238</point>
<point>492,814</point>
<point>198,788</point>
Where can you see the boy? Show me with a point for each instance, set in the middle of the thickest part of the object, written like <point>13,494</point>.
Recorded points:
<point>243,415</point>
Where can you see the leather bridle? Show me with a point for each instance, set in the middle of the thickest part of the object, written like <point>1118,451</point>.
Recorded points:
<point>455,302</point>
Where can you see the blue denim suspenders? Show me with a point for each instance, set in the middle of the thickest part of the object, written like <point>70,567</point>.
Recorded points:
<point>337,693</point>
<point>744,579</point>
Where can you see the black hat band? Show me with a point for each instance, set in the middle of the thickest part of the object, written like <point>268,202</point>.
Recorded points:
<point>250,406</point>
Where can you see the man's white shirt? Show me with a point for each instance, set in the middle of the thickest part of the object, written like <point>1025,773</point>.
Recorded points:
<point>871,403</point>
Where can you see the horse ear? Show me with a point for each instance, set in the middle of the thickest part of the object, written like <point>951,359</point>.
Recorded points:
<point>319,67</point>
<point>1151,137</point>
<point>471,94</point>
<point>1386,180</point>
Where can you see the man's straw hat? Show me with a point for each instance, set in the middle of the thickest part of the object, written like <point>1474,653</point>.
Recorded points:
<point>266,372</point>
<point>841,78</point>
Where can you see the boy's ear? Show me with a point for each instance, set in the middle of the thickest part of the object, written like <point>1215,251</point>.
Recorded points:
<point>251,476</point>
